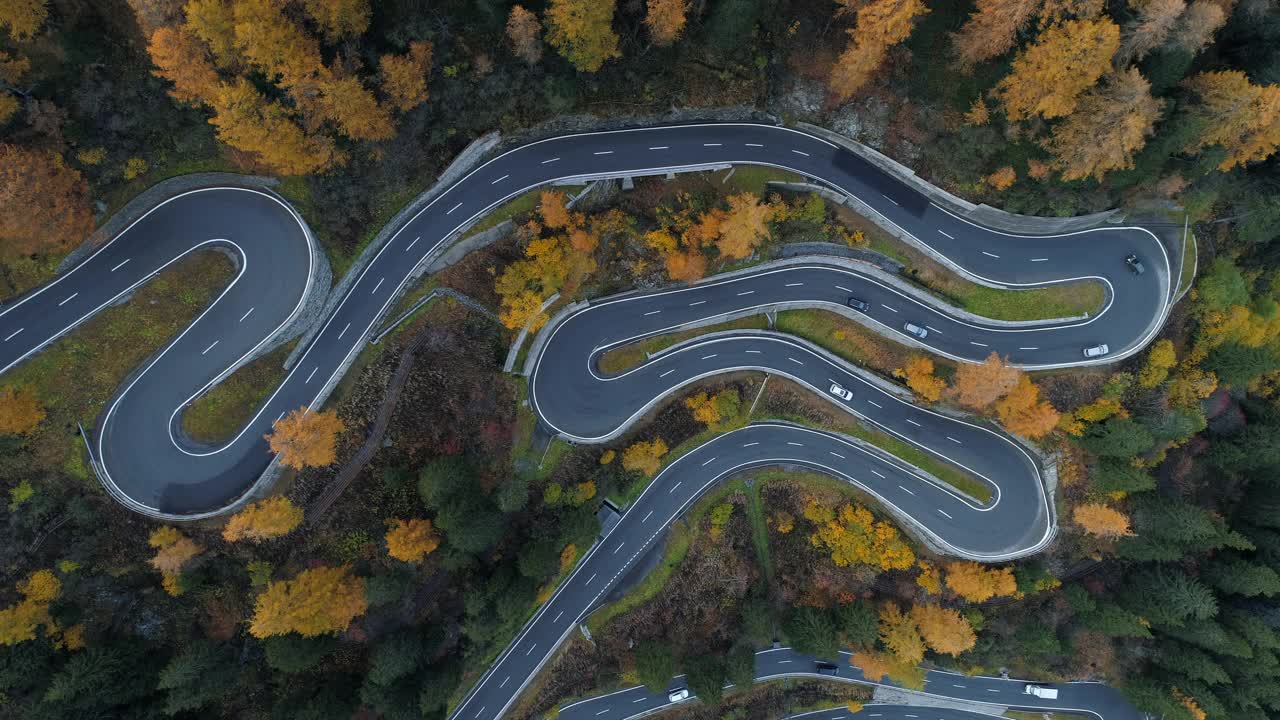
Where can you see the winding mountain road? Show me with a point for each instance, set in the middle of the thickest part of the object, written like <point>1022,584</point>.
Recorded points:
<point>147,465</point>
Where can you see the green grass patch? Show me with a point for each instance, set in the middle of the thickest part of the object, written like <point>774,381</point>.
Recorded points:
<point>555,452</point>
<point>1047,303</point>
<point>756,178</point>
<point>1188,274</point>
<point>75,376</point>
<point>846,338</point>
<point>219,413</point>
<point>759,530</point>
<point>624,358</point>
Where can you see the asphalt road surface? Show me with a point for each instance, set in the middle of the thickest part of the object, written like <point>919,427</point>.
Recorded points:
<point>1080,697</point>
<point>147,465</point>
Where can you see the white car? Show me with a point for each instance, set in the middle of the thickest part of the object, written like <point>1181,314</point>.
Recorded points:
<point>841,392</point>
<point>678,695</point>
<point>916,330</point>
<point>1096,351</point>
<point>1041,692</point>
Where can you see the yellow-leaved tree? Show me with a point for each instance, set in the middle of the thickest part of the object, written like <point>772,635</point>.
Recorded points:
<point>665,20</point>
<point>306,439</point>
<point>582,30</point>
<point>318,601</point>
<point>1049,76</point>
<point>899,633</point>
<point>918,374</point>
<point>260,520</point>
<point>23,18</point>
<point>411,540</point>
<point>945,630</point>
<point>1101,520</point>
<point>644,457</point>
<point>404,77</point>
<point>19,622</point>
<point>854,537</point>
<point>744,227</point>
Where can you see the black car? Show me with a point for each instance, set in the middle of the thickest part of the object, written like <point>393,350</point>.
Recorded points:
<point>1135,264</point>
<point>826,668</point>
<point>860,305</point>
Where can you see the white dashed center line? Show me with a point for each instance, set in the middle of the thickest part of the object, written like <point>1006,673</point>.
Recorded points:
<point>652,312</point>
<point>700,302</point>
<point>754,145</point>
<point>415,242</point>
<point>984,252</point>
<point>64,302</point>
<point>375,287</point>
<point>620,546</point>
<point>1039,259</point>
<point>708,357</point>
<point>906,490</point>
<point>602,712</point>
<point>750,444</point>
<point>794,284</point>
<point>313,372</point>
<point>755,352</point>
<point>837,454</point>
<point>795,361</point>
<point>126,262</point>
<point>944,232</point>
<point>879,475</point>
<point>638,700</point>
<point>1028,348</point>
<point>481,711</point>
<point>674,487</point>
<point>504,177</point>
<point>933,329</point>
<point>954,440</point>
<point>603,152</point>
<point>843,288</point>
<point>873,402</point>
<point>913,422</point>
<point>455,207</point>
<point>748,292</point>
<point>886,307</point>
<point>886,197</point>
<point>504,682</point>
<point>206,350</point>
<point>971,342</point>
<point>708,462</point>
<point>593,577</point>
<point>646,517</point>
<point>710,144</point>
<point>944,514</point>
<point>800,152</point>
<point>660,147</point>
<point>544,162</point>
<point>666,373</point>
<point>795,443</point>
<point>344,331</point>
<point>959,686</point>
<point>531,647</point>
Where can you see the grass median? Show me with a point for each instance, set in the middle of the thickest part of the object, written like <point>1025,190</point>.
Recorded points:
<point>621,359</point>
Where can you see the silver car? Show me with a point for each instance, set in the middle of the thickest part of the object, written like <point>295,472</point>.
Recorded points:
<point>841,392</point>
<point>678,695</point>
<point>916,330</point>
<point>1096,351</point>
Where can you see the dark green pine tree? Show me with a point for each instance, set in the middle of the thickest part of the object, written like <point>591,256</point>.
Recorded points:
<point>655,664</point>
<point>205,671</point>
<point>1168,596</point>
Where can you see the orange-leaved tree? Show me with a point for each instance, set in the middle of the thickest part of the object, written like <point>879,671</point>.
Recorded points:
<point>992,29</point>
<point>979,385</point>
<point>404,77</point>
<point>411,540</point>
<point>665,20</point>
<point>306,439</point>
<point>318,601</point>
<point>881,25</point>
<point>1049,76</point>
<point>552,206</point>
<point>1110,125</point>
<point>918,374</point>
<point>1242,118</point>
<point>1102,520</point>
<point>944,629</point>
<point>44,203</point>
<point>20,410</point>
<point>875,666</point>
<point>644,457</point>
<point>1022,411</point>
<point>978,583</point>
<point>173,550</point>
<point>525,33</point>
<point>260,520</point>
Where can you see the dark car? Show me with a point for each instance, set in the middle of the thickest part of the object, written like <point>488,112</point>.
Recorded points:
<point>860,305</point>
<point>1135,264</point>
<point>826,668</point>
